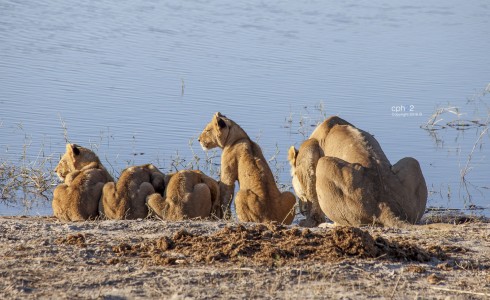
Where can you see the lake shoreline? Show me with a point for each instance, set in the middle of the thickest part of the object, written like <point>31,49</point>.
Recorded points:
<point>44,258</point>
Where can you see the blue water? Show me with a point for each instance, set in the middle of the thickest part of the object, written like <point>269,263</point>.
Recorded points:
<point>144,77</point>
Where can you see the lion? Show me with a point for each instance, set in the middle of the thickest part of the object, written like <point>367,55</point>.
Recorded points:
<point>258,199</point>
<point>342,172</point>
<point>127,199</point>
<point>189,194</point>
<point>83,177</point>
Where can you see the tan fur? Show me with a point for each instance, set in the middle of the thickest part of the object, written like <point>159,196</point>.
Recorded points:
<point>304,181</point>
<point>84,176</point>
<point>127,198</point>
<point>189,194</point>
<point>343,172</point>
<point>259,199</point>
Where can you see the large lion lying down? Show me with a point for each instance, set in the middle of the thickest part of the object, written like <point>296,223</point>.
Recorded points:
<point>189,194</point>
<point>259,199</point>
<point>127,198</point>
<point>84,176</point>
<point>341,171</point>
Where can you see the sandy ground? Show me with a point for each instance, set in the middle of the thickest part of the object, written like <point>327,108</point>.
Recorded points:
<point>41,257</point>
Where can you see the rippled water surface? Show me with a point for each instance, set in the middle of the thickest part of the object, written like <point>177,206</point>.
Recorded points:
<point>138,80</point>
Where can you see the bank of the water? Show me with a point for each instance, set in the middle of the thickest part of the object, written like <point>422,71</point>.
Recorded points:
<point>42,257</point>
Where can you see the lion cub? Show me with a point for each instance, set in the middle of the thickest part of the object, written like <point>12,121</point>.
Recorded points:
<point>259,199</point>
<point>189,194</point>
<point>84,176</point>
<point>126,199</point>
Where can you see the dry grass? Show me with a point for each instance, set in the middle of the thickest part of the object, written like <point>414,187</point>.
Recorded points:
<point>27,180</point>
<point>452,117</point>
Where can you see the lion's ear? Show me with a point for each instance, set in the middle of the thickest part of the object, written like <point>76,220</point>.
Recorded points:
<point>292,154</point>
<point>73,149</point>
<point>76,149</point>
<point>221,123</point>
<point>69,148</point>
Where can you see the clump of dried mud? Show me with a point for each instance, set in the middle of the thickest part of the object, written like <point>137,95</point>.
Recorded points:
<point>73,239</point>
<point>273,244</point>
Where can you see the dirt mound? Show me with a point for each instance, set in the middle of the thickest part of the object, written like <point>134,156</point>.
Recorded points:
<point>272,244</point>
<point>73,239</point>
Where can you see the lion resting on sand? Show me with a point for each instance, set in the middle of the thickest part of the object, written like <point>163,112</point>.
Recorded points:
<point>189,194</point>
<point>84,176</point>
<point>341,171</point>
<point>259,199</point>
<point>127,198</point>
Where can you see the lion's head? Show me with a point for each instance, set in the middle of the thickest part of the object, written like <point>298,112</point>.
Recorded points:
<point>220,132</point>
<point>303,171</point>
<point>297,186</point>
<point>75,158</point>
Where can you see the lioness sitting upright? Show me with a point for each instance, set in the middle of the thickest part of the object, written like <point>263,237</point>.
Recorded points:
<point>343,170</point>
<point>189,194</point>
<point>127,198</point>
<point>259,199</point>
<point>84,176</point>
